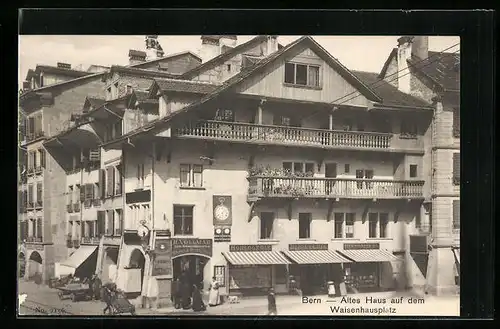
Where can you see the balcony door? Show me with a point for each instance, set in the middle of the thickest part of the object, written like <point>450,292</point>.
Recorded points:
<point>330,172</point>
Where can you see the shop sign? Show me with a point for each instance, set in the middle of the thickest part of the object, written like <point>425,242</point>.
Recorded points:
<point>308,246</point>
<point>250,247</point>
<point>222,212</point>
<point>191,246</point>
<point>222,234</point>
<point>162,260</point>
<point>361,246</point>
<point>163,233</point>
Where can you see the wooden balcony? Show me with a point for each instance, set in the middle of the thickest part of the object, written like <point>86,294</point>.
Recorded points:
<point>34,239</point>
<point>282,135</point>
<point>311,187</point>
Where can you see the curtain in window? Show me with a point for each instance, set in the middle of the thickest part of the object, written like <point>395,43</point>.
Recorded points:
<point>313,76</point>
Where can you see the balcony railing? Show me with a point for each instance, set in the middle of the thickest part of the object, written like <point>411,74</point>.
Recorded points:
<point>39,204</point>
<point>34,239</point>
<point>33,136</point>
<point>31,171</point>
<point>38,170</point>
<point>69,208</point>
<point>310,187</point>
<point>90,240</point>
<point>31,205</point>
<point>87,203</point>
<point>253,133</point>
<point>76,207</point>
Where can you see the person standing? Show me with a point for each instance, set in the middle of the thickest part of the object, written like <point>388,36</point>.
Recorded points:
<point>213,296</point>
<point>198,305</point>
<point>185,291</point>
<point>271,303</point>
<point>176,293</point>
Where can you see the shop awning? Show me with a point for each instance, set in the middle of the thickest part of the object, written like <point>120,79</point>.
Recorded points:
<point>369,255</point>
<point>255,258</point>
<point>316,257</point>
<point>456,252</point>
<point>79,256</point>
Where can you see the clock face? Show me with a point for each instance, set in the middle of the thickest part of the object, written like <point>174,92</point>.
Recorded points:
<point>218,231</point>
<point>221,213</point>
<point>226,231</point>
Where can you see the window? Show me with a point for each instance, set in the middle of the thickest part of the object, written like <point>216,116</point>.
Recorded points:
<point>378,223</point>
<point>281,120</point>
<point>140,176</point>
<point>266,225</point>
<point>115,90</point>
<point>89,191</point>
<point>191,175</point>
<point>302,74</point>
<point>108,94</point>
<point>118,222</point>
<point>347,168</point>
<point>383,222</point>
<point>456,214</point>
<point>42,158</point>
<point>456,168</point>
<point>299,168</point>
<point>224,115</point>
<point>229,67</point>
<point>364,175</point>
<point>118,180</point>
<point>183,220</point>
<point>110,222</point>
<point>220,275</point>
<point>344,229</point>
<point>456,122</point>
<point>129,89</point>
<point>413,171</point>
<point>39,197</point>
<point>304,225</point>
<point>372,225</point>
<point>39,231</point>
<point>30,193</point>
<point>409,128</point>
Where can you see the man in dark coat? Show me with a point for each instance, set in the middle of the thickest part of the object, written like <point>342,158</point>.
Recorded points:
<point>176,298</point>
<point>185,291</point>
<point>271,303</point>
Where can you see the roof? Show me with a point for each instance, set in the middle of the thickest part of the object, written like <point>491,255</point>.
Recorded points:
<point>139,72</point>
<point>186,86</point>
<point>89,75</point>
<point>223,57</point>
<point>94,101</point>
<point>389,94</point>
<point>55,70</point>
<point>232,82</point>
<point>141,95</point>
<point>443,68</point>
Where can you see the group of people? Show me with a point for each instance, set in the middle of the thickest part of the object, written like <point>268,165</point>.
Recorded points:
<point>188,295</point>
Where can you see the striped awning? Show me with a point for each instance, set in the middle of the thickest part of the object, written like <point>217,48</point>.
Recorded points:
<point>316,257</point>
<point>255,258</point>
<point>369,255</point>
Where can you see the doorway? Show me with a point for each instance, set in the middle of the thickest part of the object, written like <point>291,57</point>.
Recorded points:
<point>192,266</point>
<point>35,265</point>
<point>138,261</point>
<point>330,172</point>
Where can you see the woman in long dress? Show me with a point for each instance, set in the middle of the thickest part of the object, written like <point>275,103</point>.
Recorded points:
<point>213,296</point>
<point>198,305</point>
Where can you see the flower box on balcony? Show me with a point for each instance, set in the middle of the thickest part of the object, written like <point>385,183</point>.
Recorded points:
<point>39,204</point>
<point>31,205</point>
<point>76,243</point>
<point>31,171</point>
<point>69,208</point>
<point>76,207</point>
<point>87,203</point>
<point>69,243</point>
<point>96,202</point>
<point>38,170</point>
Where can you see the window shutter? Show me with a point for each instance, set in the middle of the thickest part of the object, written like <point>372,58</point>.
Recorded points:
<point>100,222</point>
<point>102,183</point>
<point>456,214</point>
<point>95,155</point>
<point>31,125</point>
<point>110,181</point>
<point>82,192</point>
<point>42,158</point>
<point>456,122</point>
<point>456,168</point>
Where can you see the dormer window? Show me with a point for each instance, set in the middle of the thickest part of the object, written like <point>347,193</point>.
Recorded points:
<point>41,79</point>
<point>229,67</point>
<point>108,93</point>
<point>302,74</point>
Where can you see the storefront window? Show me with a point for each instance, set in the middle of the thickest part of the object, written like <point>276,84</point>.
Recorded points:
<point>266,225</point>
<point>384,220</point>
<point>220,275</point>
<point>349,225</point>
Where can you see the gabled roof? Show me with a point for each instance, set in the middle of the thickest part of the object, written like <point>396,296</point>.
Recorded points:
<point>443,68</point>
<point>389,94</point>
<point>232,82</point>
<point>184,86</point>
<point>138,72</point>
<point>94,102</point>
<point>102,73</point>
<point>218,60</point>
<point>55,70</point>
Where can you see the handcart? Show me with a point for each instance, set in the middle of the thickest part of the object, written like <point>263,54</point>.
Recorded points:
<point>75,291</point>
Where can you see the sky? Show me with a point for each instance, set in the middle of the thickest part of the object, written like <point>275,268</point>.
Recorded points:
<point>362,53</point>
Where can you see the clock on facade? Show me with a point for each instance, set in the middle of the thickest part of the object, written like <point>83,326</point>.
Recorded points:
<point>221,212</point>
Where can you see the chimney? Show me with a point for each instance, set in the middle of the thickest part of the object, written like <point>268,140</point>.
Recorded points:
<point>210,47</point>
<point>404,54</point>
<point>26,85</point>
<point>271,45</point>
<point>420,47</point>
<point>153,48</point>
<point>136,56</point>
<point>64,66</point>
<point>228,40</point>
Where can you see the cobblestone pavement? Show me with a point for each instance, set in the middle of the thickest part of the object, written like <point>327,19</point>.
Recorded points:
<point>41,300</point>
